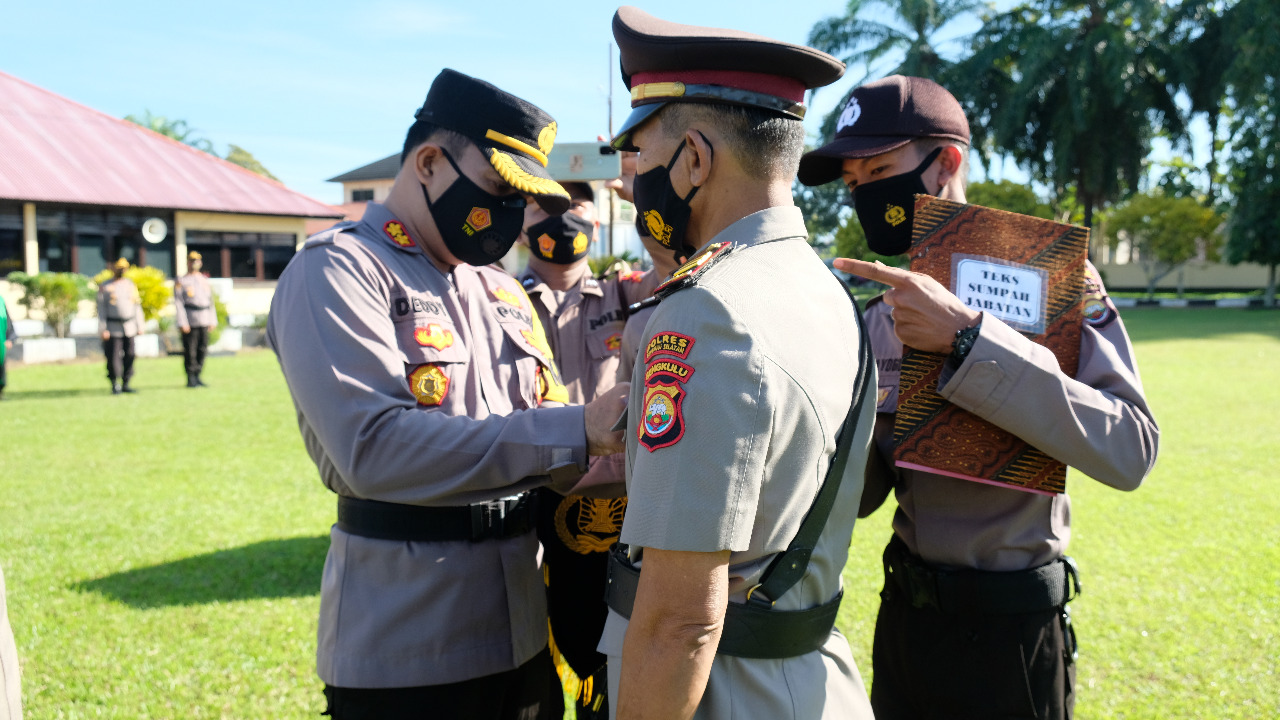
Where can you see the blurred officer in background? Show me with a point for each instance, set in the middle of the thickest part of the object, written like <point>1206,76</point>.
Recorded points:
<point>194,314</point>
<point>119,321</point>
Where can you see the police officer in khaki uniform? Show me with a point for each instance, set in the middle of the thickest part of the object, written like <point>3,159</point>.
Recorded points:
<point>583,317</point>
<point>973,621</point>
<point>119,321</point>
<point>428,397</point>
<point>194,314</point>
<point>737,399</point>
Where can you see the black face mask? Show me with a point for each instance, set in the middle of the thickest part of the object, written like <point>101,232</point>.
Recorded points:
<point>477,227</point>
<point>563,239</point>
<point>660,212</point>
<point>887,207</point>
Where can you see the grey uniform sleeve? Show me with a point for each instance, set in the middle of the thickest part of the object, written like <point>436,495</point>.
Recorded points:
<point>1098,422</point>
<point>102,311</point>
<point>698,488</point>
<point>179,306</point>
<point>331,327</point>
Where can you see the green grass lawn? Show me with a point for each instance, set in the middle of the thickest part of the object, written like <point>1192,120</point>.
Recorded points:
<point>162,551</point>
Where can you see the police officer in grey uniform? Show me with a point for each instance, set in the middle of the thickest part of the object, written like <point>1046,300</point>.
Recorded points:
<point>119,321</point>
<point>973,623</point>
<point>194,314</point>
<point>428,398</point>
<point>737,401</point>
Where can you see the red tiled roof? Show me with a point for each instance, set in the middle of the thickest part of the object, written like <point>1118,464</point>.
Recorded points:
<point>55,150</point>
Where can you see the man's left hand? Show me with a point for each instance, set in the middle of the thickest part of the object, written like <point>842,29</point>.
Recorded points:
<point>926,316</point>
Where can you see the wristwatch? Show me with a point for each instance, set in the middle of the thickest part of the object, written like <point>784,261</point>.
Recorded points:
<point>963,343</point>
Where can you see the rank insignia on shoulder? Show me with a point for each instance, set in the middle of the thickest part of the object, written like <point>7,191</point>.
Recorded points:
<point>668,343</point>
<point>687,274</point>
<point>429,385</point>
<point>662,422</point>
<point>396,232</point>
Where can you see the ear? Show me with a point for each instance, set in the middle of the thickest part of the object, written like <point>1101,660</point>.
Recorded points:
<point>698,157</point>
<point>425,159</point>
<point>949,163</point>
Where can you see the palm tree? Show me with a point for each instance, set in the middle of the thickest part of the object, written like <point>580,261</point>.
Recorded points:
<point>175,129</point>
<point>910,27</point>
<point>1079,89</point>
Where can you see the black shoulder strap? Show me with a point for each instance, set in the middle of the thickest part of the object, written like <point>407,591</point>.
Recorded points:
<point>789,566</point>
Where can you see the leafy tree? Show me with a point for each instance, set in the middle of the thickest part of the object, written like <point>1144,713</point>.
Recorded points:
<point>182,132</point>
<point>1202,40</point>
<point>153,291</point>
<point>824,208</point>
<point>1083,91</point>
<point>1007,195</point>
<point>910,27</point>
<point>176,129</point>
<point>246,160</point>
<point>55,294</point>
<point>1166,231</point>
<point>1254,178</point>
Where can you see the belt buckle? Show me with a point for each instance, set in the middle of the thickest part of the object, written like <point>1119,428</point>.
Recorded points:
<point>487,519</point>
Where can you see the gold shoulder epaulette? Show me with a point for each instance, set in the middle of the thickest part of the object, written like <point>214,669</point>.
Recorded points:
<point>687,274</point>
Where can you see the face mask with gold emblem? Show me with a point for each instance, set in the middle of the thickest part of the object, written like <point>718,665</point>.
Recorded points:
<point>886,208</point>
<point>660,212</point>
<point>562,239</point>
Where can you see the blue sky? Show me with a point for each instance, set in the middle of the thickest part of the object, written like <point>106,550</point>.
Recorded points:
<point>316,89</point>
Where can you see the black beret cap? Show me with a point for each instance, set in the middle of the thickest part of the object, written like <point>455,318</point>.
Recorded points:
<point>516,136</point>
<point>885,115</point>
<point>666,62</point>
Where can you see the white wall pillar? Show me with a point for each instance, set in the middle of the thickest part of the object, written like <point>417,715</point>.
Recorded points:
<point>30,246</point>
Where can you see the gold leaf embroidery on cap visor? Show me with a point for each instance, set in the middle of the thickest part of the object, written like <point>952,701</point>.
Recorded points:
<point>524,147</point>
<point>547,139</point>
<point>522,181</point>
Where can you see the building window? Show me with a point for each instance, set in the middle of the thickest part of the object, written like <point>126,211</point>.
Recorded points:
<point>361,196</point>
<point>12,253</point>
<point>246,256</point>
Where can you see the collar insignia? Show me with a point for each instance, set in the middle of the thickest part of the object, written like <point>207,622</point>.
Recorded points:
<point>396,232</point>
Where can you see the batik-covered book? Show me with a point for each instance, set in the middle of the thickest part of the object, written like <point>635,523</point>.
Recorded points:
<point>1027,271</point>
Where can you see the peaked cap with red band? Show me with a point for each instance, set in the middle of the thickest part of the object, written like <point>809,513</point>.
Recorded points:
<point>664,62</point>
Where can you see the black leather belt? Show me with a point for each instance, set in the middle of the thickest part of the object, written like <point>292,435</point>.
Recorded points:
<point>978,592</point>
<point>750,630</point>
<point>496,519</point>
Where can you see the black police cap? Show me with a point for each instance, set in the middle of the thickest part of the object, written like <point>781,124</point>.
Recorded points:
<point>516,136</point>
<point>664,62</point>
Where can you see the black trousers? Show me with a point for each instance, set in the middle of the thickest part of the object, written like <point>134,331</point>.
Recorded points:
<point>195,345</point>
<point>927,664</point>
<point>119,352</point>
<point>520,694</point>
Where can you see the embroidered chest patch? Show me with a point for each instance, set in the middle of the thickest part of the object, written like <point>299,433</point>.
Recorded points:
<point>429,385</point>
<point>662,421</point>
<point>433,336</point>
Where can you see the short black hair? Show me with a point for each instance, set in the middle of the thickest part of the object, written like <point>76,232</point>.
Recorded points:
<point>579,190</point>
<point>423,131</point>
<point>766,144</point>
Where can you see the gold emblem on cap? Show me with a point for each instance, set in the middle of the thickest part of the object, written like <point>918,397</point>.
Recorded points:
<point>894,215</point>
<point>596,523</point>
<point>547,139</point>
<point>654,90</point>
